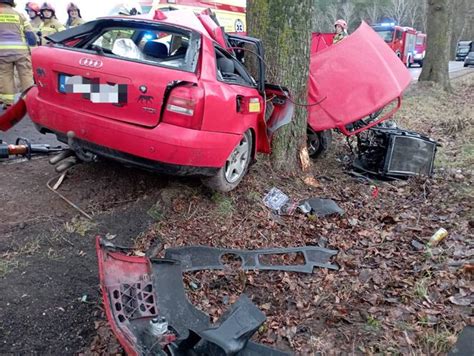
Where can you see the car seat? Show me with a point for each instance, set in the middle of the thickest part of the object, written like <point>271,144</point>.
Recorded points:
<point>225,65</point>
<point>155,49</point>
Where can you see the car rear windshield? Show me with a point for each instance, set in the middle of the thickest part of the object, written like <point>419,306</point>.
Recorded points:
<point>166,46</point>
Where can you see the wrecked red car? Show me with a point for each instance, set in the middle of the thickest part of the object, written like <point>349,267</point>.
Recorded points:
<point>168,92</point>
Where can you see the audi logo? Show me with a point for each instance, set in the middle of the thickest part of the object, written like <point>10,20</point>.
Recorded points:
<point>91,63</point>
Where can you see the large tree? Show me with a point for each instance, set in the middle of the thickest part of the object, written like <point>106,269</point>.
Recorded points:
<point>285,29</point>
<point>435,65</point>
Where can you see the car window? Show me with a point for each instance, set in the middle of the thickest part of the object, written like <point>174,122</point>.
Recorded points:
<point>167,48</point>
<point>230,70</point>
<point>399,35</point>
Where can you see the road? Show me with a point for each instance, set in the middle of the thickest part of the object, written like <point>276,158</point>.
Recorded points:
<point>26,129</point>
<point>453,68</point>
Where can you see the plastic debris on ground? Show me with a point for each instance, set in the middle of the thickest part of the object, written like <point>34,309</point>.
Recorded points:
<point>320,207</point>
<point>279,202</point>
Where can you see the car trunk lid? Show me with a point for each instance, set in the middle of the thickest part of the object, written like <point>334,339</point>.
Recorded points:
<point>122,90</point>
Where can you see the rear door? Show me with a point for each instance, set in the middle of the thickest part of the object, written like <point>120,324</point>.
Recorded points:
<point>121,72</point>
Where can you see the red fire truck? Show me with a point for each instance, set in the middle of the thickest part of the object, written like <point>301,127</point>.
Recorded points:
<point>401,39</point>
<point>420,48</point>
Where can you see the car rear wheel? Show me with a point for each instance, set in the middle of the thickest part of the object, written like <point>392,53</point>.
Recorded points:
<point>236,166</point>
<point>318,142</point>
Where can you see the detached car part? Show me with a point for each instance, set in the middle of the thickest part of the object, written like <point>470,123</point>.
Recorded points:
<point>395,153</point>
<point>148,310</point>
<point>353,79</point>
<point>320,207</point>
<point>195,258</point>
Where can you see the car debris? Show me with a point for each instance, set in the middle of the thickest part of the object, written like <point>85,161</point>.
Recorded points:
<point>195,258</point>
<point>320,207</point>
<point>148,311</point>
<point>391,152</point>
<point>279,202</point>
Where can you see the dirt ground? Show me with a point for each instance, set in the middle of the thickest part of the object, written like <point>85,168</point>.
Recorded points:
<point>391,294</point>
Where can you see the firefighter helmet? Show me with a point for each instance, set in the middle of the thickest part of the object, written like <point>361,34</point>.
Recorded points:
<point>32,6</point>
<point>48,6</point>
<point>341,23</point>
<point>71,6</point>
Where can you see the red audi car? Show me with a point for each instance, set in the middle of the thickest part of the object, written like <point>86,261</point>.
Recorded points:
<point>170,92</point>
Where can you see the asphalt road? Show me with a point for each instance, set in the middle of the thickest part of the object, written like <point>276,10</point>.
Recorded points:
<point>26,129</point>
<point>454,67</point>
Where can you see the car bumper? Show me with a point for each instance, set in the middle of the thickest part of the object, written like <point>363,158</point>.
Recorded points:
<point>165,143</point>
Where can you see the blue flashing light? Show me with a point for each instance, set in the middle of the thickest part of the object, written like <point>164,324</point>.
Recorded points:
<point>148,37</point>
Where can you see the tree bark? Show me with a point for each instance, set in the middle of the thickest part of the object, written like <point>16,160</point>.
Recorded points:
<point>285,29</point>
<point>436,62</point>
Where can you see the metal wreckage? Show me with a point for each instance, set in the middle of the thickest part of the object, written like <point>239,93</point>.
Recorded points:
<point>149,312</point>
<point>159,112</point>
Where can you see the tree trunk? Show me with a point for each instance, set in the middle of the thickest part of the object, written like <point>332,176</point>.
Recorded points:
<point>285,29</point>
<point>436,62</point>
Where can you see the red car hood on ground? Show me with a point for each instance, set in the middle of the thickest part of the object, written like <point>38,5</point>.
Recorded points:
<point>352,79</point>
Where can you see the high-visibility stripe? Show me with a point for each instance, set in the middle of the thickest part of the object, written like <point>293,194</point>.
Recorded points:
<point>23,46</point>
<point>7,98</point>
<point>9,18</point>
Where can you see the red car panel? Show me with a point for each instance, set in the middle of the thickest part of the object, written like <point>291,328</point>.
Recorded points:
<point>352,79</point>
<point>164,143</point>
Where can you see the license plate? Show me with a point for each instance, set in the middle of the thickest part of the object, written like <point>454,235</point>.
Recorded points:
<point>62,82</point>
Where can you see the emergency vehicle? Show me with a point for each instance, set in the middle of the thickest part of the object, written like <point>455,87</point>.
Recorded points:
<point>420,48</point>
<point>402,40</point>
<point>229,13</point>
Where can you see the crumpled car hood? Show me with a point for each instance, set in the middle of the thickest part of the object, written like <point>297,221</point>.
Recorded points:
<point>352,79</point>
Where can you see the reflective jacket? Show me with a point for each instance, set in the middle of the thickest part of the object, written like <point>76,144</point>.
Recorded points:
<point>339,37</point>
<point>49,27</point>
<point>76,22</point>
<point>14,29</point>
<point>36,23</point>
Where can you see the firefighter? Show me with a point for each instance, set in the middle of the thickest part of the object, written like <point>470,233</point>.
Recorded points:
<point>50,23</point>
<point>16,35</point>
<point>33,11</point>
<point>340,27</point>
<point>74,16</point>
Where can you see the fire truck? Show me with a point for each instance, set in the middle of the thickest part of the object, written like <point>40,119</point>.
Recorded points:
<point>229,13</point>
<point>420,48</point>
<point>402,40</point>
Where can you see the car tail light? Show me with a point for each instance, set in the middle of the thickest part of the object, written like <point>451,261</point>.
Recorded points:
<point>184,107</point>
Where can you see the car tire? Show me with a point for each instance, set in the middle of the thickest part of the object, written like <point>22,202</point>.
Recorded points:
<point>465,65</point>
<point>318,142</point>
<point>235,168</point>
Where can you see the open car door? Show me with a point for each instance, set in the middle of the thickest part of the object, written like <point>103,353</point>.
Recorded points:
<point>352,80</point>
<point>278,106</point>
